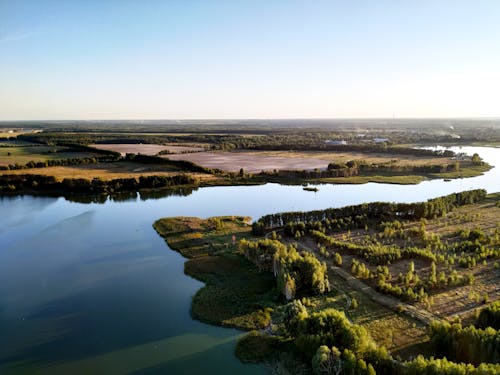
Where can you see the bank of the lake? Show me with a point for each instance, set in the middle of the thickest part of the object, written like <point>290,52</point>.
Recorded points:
<point>41,181</point>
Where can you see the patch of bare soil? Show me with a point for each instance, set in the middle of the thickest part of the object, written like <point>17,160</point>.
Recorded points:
<point>251,162</point>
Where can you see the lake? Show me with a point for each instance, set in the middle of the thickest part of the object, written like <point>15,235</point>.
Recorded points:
<point>92,289</point>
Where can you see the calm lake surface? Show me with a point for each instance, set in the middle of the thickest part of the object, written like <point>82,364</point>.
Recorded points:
<point>92,289</point>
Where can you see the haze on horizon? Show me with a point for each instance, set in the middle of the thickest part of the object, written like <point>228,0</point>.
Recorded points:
<point>248,59</point>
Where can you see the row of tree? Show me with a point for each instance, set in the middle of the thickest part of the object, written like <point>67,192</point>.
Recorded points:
<point>59,162</point>
<point>380,211</point>
<point>40,183</point>
<point>373,253</point>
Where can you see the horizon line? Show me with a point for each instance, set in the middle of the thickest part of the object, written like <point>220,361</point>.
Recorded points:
<point>463,118</point>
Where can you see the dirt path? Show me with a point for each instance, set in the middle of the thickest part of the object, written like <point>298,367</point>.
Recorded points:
<point>394,304</point>
<point>424,316</point>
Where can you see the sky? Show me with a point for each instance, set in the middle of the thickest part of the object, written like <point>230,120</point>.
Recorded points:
<point>208,59</point>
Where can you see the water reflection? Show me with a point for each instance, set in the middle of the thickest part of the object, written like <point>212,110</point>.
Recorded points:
<point>130,196</point>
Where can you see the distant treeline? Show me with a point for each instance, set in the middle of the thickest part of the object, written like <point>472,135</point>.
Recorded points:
<point>311,141</point>
<point>84,138</point>
<point>39,183</point>
<point>380,211</point>
<point>365,148</point>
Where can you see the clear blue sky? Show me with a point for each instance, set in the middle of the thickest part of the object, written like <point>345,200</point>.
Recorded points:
<point>249,59</point>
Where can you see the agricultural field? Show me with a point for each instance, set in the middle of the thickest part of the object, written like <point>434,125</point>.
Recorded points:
<point>257,161</point>
<point>251,162</point>
<point>11,154</point>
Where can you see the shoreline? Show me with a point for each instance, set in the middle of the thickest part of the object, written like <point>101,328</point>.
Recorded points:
<point>385,178</point>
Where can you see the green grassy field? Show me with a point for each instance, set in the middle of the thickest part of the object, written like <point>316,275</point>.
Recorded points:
<point>25,153</point>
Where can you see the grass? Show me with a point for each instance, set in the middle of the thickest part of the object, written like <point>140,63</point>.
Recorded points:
<point>193,236</point>
<point>236,294</point>
<point>24,154</point>
<point>106,171</point>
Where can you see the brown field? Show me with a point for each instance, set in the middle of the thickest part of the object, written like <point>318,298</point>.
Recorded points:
<point>105,171</point>
<point>146,149</point>
<point>252,162</point>
<point>256,161</point>
<point>369,157</point>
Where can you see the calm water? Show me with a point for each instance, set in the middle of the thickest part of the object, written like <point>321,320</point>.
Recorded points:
<point>92,289</point>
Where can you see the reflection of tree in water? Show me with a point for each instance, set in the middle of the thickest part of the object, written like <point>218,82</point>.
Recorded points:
<point>130,195</point>
<point>162,193</point>
<point>87,198</point>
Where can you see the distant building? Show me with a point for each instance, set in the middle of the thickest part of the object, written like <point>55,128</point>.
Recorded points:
<point>330,142</point>
<point>380,140</point>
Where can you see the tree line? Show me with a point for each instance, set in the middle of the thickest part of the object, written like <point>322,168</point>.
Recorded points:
<point>41,183</point>
<point>380,211</point>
